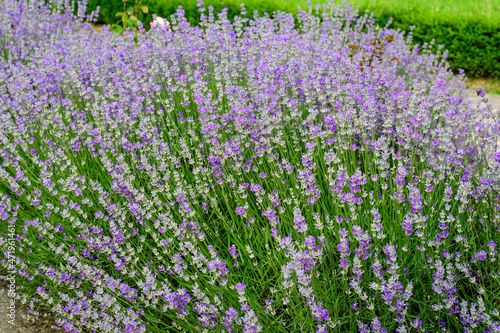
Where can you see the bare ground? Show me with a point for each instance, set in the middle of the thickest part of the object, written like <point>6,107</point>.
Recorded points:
<point>16,324</point>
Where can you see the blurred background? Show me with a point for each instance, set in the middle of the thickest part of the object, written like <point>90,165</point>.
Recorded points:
<point>468,29</point>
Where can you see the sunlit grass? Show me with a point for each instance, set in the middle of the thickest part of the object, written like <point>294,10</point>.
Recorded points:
<point>484,8</point>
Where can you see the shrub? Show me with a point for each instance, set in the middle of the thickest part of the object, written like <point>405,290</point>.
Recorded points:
<point>245,177</point>
<point>469,30</point>
<point>473,43</point>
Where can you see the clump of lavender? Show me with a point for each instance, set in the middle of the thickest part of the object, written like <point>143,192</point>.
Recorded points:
<point>243,177</point>
<point>481,91</point>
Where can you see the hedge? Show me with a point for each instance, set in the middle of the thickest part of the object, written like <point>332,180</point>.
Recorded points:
<point>473,42</point>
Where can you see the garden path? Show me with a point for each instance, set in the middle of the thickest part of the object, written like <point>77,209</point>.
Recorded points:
<point>21,325</point>
<point>494,100</point>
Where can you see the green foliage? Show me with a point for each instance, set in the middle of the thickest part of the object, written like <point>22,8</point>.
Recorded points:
<point>469,32</point>
<point>473,42</point>
<point>166,8</point>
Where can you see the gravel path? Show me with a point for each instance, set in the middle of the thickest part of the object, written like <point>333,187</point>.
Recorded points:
<point>492,99</point>
<point>18,324</point>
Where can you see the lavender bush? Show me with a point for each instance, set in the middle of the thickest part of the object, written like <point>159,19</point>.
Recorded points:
<point>243,178</point>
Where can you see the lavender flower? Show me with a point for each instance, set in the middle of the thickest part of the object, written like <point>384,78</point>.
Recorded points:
<point>131,168</point>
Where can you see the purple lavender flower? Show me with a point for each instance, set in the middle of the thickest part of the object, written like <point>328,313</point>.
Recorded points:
<point>241,211</point>
<point>232,251</point>
<point>481,91</point>
<point>133,155</point>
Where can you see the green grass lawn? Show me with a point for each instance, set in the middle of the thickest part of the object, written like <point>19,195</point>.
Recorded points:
<point>489,9</point>
<point>492,86</point>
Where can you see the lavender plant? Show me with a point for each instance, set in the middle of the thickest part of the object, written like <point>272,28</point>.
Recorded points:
<point>244,177</point>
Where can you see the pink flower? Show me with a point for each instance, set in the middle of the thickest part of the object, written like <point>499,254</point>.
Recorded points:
<point>159,22</point>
